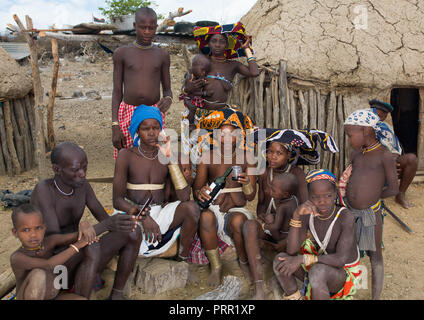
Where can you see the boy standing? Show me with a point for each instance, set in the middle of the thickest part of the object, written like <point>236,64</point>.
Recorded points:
<point>372,167</point>
<point>138,71</point>
<point>406,164</point>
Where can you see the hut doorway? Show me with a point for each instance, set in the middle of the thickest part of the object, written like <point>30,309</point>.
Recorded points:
<point>405,115</point>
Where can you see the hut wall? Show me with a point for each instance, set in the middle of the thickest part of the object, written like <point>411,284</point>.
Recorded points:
<point>279,100</point>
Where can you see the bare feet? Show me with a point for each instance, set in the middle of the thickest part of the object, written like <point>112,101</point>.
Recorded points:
<point>117,295</point>
<point>214,279</point>
<point>260,290</point>
<point>244,266</point>
<point>401,199</point>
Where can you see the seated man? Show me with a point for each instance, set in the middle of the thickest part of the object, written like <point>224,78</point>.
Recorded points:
<point>329,260</point>
<point>62,201</point>
<point>140,174</point>
<point>226,215</point>
<point>406,163</point>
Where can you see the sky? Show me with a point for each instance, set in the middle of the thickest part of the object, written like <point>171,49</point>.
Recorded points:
<point>45,13</point>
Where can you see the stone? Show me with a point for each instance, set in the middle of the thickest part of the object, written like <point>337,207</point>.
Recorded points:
<point>229,290</point>
<point>93,94</point>
<point>77,94</point>
<point>155,275</point>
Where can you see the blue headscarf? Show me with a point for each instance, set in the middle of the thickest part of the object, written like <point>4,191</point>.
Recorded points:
<point>140,114</point>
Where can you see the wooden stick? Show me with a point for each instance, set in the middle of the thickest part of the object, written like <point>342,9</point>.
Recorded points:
<point>293,111</point>
<point>9,138</point>
<point>275,103</point>
<point>403,225</point>
<point>283,96</point>
<point>304,109</point>
<point>170,19</point>
<point>50,128</point>
<point>40,149</point>
<point>340,121</point>
<point>329,128</point>
<point>259,89</point>
<point>6,154</point>
<point>268,107</point>
<point>312,110</point>
<point>18,139</point>
<point>23,128</point>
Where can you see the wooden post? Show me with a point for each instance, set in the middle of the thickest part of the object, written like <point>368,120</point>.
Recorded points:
<point>23,128</point>
<point>40,148</point>
<point>259,93</point>
<point>304,107</point>
<point>293,111</point>
<point>329,128</point>
<point>284,96</point>
<point>50,128</point>
<point>18,139</point>
<point>268,113</point>
<point>275,103</point>
<point>320,111</point>
<point>312,110</point>
<point>9,138</point>
<point>420,144</point>
<point>6,154</point>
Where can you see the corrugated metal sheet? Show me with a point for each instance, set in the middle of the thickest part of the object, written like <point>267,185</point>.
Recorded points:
<point>18,50</point>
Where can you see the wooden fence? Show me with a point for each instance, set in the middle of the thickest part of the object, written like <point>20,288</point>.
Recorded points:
<point>272,103</point>
<point>17,135</point>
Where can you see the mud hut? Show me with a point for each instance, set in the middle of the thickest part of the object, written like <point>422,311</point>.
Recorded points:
<point>322,59</point>
<point>17,136</point>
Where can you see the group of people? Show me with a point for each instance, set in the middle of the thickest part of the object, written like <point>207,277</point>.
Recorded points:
<point>317,231</point>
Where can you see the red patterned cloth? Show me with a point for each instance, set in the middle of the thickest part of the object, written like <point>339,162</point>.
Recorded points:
<point>197,255</point>
<point>125,114</point>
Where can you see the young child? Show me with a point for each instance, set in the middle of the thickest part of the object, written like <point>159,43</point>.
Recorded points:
<point>372,167</point>
<point>139,69</point>
<point>33,263</point>
<point>200,67</point>
<point>406,163</point>
<point>328,262</point>
<point>273,227</point>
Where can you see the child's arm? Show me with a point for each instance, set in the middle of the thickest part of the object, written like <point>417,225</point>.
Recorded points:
<point>302,191</point>
<point>277,225</point>
<point>165,103</point>
<point>86,233</point>
<point>24,262</point>
<point>260,208</point>
<point>390,171</point>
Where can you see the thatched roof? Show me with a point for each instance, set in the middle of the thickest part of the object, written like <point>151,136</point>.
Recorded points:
<point>319,40</point>
<point>14,81</point>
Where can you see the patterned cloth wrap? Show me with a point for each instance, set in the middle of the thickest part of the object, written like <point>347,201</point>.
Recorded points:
<point>209,120</point>
<point>125,114</point>
<point>383,132</point>
<point>301,144</point>
<point>235,34</point>
<point>352,273</point>
<point>387,137</point>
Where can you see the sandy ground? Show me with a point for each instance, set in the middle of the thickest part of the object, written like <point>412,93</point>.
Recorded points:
<point>87,122</point>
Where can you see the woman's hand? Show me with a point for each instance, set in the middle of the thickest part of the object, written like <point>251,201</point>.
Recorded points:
<point>151,230</point>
